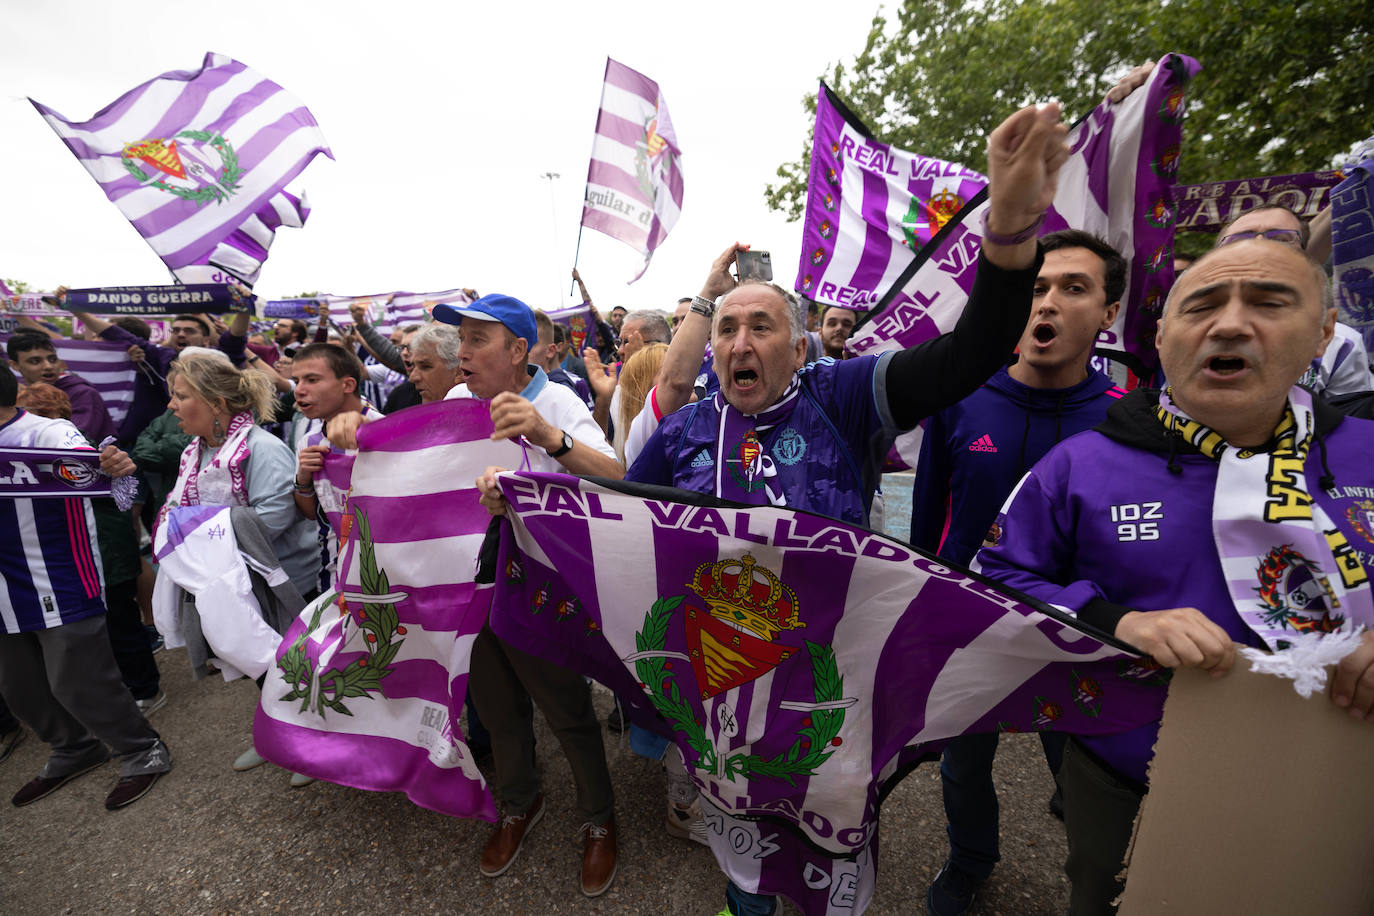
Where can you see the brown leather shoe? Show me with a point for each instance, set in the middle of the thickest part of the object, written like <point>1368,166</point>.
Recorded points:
<point>504,846</point>
<point>129,790</point>
<point>598,857</point>
<point>43,786</point>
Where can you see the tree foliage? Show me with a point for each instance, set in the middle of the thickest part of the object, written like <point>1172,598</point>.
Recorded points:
<point>17,286</point>
<point>1284,87</point>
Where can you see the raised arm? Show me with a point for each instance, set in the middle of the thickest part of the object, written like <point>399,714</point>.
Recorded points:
<point>682,363</point>
<point>387,353</point>
<point>1025,154</point>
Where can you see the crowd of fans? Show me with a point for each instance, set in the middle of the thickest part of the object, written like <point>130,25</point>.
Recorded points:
<point>226,415</point>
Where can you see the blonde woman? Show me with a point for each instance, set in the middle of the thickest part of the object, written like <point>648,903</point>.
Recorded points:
<point>636,378</point>
<point>232,461</point>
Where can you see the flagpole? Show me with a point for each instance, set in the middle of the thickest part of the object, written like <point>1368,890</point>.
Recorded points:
<point>576,252</point>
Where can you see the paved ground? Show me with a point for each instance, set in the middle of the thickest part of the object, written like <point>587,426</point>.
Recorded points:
<point>209,840</point>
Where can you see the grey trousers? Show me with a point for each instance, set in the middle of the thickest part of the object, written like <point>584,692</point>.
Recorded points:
<point>499,678</point>
<point>64,683</point>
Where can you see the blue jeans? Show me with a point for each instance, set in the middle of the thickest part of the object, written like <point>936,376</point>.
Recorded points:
<point>742,903</point>
<point>647,744</point>
<point>971,799</point>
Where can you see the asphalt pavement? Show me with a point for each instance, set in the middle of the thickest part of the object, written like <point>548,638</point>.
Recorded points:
<point>209,840</point>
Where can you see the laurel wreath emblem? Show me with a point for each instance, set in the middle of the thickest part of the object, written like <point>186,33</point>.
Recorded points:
<point>326,688</point>
<point>814,744</point>
<point>218,192</point>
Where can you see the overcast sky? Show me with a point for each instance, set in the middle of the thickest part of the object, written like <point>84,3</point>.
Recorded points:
<point>442,118</point>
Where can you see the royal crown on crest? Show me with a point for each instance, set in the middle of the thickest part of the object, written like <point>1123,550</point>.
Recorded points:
<point>944,205</point>
<point>747,596</point>
<point>158,153</point>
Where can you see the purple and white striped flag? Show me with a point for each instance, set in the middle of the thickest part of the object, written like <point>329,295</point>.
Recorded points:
<point>415,308</point>
<point>369,682</point>
<point>869,208</point>
<point>198,161</point>
<point>104,364</point>
<point>799,663</point>
<point>634,181</point>
<point>1118,183</point>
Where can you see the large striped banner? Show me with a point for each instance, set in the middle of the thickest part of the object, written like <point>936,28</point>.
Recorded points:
<point>870,207</point>
<point>369,682</point>
<point>634,180</point>
<point>802,665</point>
<point>1118,183</point>
<point>199,161</point>
<point>104,364</point>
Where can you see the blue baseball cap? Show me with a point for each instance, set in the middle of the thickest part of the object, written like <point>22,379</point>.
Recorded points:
<point>511,312</point>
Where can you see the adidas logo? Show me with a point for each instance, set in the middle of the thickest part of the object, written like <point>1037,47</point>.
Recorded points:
<point>983,444</point>
<point>703,460</point>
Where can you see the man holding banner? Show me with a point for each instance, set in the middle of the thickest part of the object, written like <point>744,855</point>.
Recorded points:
<point>1228,508</point>
<point>814,438</point>
<point>496,335</point>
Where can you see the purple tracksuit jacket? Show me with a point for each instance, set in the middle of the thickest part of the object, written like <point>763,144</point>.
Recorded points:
<point>1119,518</point>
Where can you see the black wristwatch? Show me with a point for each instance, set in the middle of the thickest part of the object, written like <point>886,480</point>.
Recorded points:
<point>564,448</point>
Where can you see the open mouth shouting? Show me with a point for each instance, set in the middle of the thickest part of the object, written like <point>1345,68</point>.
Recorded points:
<point>1044,333</point>
<point>745,379</point>
<point>1225,366</point>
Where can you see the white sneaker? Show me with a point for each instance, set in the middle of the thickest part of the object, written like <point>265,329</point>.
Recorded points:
<point>248,760</point>
<point>687,823</point>
<point>300,780</point>
<point>152,704</point>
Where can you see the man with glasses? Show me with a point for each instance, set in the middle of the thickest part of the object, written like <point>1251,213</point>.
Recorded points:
<point>1344,368</point>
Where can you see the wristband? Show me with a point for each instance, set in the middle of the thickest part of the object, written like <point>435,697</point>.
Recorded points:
<point>1025,235</point>
<point>704,307</point>
<point>304,491</point>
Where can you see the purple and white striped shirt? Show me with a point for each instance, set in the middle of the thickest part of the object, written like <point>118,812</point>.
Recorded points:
<point>50,567</point>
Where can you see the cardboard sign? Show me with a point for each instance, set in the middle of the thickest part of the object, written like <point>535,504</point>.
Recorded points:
<point>1261,802</point>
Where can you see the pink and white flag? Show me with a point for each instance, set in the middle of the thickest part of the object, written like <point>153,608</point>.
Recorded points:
<point>634,181</point>
<point>369,682</point>
<point>198,161</point>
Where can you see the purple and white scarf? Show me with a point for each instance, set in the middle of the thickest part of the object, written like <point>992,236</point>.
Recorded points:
<point>745,472</point>
<point>1266,524</point>
<point>222,482</point>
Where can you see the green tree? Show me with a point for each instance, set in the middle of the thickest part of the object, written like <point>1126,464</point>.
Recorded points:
<point>1284,87</point>
<point>17,286</point>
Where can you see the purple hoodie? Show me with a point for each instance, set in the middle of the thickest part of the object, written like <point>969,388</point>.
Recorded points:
<point>89,413</point>
<point>1120,518</point>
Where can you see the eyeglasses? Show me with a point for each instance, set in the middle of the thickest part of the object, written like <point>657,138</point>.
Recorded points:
<point>1286,236</point>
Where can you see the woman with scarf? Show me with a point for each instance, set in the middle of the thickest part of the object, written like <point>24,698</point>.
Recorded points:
<point>233,462</point>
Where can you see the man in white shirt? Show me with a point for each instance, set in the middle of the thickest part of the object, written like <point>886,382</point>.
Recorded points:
<point>496,334</point>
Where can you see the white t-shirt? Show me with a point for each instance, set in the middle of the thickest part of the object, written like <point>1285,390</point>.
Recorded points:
<point>642,426</point>
<point>565,410</point>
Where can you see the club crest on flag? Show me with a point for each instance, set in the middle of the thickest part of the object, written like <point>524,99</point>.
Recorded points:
<point>733,642</point>
<point>307,670</point>
<point>653,159</point>
<point>186,170</point>
<point>579,332</point>
<point>1087,694</point>
<point>730,643</point>
<point>1293,593</point>
<point>1165,165</point>
<point>1160,213</point>
<point>930,216</point>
